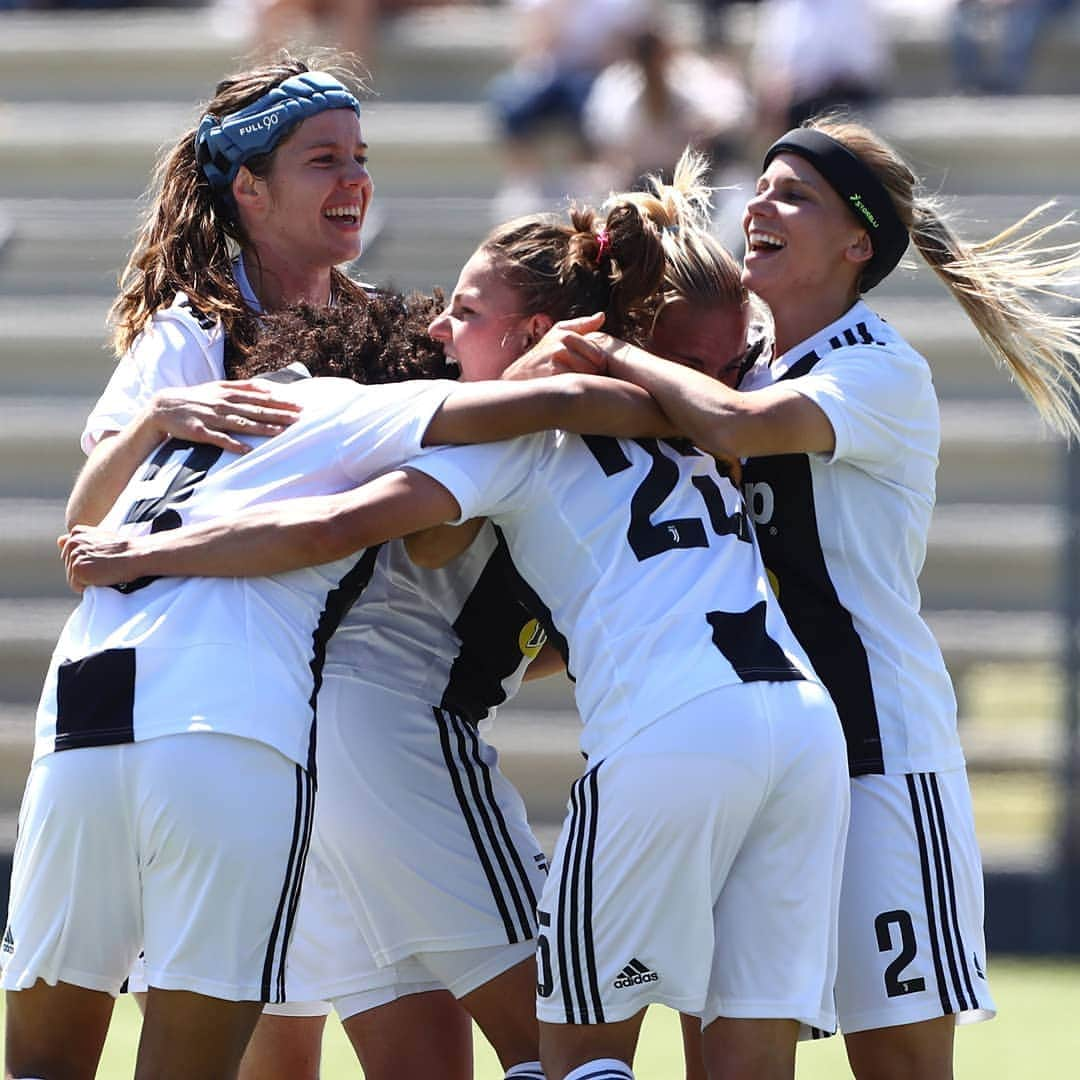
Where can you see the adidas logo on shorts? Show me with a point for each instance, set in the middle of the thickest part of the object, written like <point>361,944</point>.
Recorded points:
<point>634,974</point>
<point>8,945</point>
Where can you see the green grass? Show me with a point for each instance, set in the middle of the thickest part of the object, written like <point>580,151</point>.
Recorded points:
<point>1035,1035</point>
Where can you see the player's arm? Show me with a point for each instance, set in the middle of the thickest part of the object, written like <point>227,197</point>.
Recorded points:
<point>729,424</point>
<point>435,547</point>
<point>268,539</point>
<point>212,413</point>
<point>583,404</point>
<point>547,662</point>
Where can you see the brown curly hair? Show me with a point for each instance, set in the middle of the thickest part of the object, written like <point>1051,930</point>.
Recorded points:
<point>382,339</point>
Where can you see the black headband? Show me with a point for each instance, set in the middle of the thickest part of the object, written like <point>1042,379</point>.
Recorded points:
<point>863,194</point>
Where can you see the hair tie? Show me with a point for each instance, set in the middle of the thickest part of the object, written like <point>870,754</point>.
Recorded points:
<point>603,244</point>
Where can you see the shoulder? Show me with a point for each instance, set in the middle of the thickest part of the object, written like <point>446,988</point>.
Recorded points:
<point>184,316</point>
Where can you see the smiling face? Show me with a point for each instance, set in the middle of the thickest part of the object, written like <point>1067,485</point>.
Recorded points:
<point>482,328</point>
<point>800,237</point>
<point>708,339</point>
<point>308,210</point>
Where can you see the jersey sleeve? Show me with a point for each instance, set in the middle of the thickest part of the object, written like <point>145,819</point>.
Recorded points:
<point>875,401</point>
<point>169,352</point>
<point>489,479</point>
<point>384,427</point>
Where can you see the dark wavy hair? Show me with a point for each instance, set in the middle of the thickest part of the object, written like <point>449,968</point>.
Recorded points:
<point>381,339</point>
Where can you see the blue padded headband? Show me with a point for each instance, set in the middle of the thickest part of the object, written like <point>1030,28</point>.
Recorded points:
<point>222,146</point>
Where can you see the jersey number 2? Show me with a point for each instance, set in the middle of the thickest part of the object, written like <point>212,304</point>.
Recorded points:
<point>895,984</point>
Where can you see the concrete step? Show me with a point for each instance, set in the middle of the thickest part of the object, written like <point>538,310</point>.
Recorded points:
<point>51,347</point>
<point>77,149</point>
<point>78,246</point>
<point>428,53</point>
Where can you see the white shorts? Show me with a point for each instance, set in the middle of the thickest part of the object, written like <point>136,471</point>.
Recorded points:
<point>421,847</point>
<point>699,866</point>
<point>190,847</point>
<point>911,906</point>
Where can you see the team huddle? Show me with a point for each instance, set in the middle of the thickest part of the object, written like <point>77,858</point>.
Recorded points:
<point>324,530</point>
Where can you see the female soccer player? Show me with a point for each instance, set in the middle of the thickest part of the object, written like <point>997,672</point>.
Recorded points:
<point>842,432</point>
<point>253,208</point>
<point>699,865</point>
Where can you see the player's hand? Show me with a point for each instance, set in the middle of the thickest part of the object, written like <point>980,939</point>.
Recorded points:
<point>564,348</point>
<point>94,556</point>
<point>215,412</point>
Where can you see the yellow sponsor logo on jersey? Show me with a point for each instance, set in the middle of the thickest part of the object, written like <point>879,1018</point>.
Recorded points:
<point>531,639</point>
<point>774,581</point>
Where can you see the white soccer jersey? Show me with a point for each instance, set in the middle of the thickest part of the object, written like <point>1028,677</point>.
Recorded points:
<point>644,562</point>
<point>240,656</point>
<point>455,637</point>
<point>844,538</point>
<point>179,347</point>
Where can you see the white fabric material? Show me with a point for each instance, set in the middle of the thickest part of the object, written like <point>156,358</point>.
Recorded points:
<point>873,499</point>
<point>913,883</point>
<point>699,866</point>
<point>202,643</point>
<point>183,844</point>
<point>812,43</point>
<point>421,845</point>
<point>178,347</point>
<point>570,529</point>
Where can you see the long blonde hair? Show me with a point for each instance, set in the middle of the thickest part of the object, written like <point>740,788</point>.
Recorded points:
<point>697,267</point>
<point>997,282</point>
<point>188,237</point>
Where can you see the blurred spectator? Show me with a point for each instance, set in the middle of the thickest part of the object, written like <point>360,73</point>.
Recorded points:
<point>643,112</point>
<point>994,41</point>
<point>813,55</point>
<point>562,45</point>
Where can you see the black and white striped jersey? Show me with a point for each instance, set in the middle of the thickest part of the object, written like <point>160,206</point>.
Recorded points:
<point>457,638</point>
<point>640,557</point>
<point>239,656</point>
<point>844,538</point>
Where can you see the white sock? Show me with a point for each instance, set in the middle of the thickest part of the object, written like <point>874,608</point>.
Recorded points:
<point>525,1070</point>
<point>601,1069</point>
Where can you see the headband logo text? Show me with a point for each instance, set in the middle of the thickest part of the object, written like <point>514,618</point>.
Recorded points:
<point>267,122</point>
<point>857,202</point>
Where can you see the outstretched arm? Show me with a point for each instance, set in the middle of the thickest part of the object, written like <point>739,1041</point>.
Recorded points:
<point>268,539</point>
<point>728,424</point>
<point>583,404</point>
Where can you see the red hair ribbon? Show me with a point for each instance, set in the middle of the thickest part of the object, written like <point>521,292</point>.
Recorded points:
<point>603,244</point>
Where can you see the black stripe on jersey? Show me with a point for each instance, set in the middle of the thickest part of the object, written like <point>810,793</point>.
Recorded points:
<point>338,602</point>
<point>510,886</point>
<point>489,628</point>
<point>745,643</point>
<point>790,544</point>
<point>581,989</point>
<point>532,603</point>
<point>95,700</point>
<point>791,549</point>
<point>273,977</point>
<point>605,1073</point>
<point>928,894</point>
